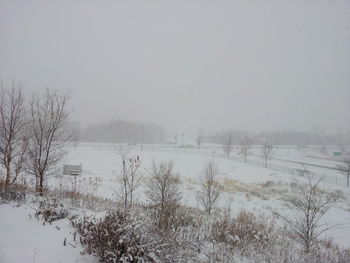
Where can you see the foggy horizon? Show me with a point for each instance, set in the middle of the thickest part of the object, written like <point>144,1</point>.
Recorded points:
<point>277,65</point>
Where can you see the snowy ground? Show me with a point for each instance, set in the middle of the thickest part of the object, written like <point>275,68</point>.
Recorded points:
<point>245,186</point>
<point>26,239</point>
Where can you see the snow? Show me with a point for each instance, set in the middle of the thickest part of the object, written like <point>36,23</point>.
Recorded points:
<point>103,160</point>
<point>25,238</point>
<point>246,187</point>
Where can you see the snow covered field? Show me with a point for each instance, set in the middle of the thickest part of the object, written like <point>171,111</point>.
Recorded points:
<point>245,186</point>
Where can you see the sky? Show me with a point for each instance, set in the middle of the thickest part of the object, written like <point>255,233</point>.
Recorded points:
<point>247,65</point>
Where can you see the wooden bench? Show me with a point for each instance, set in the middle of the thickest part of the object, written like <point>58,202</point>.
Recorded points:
<point>72,169</point>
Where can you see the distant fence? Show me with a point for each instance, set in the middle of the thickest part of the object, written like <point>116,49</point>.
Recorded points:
<point>331,179</point>
<point>217,152</point>
<point>294,171</point>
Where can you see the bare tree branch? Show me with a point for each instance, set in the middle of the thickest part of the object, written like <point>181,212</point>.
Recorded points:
<point>210,188</point>
<point>228,146</point>
<point>13,133</point>
<point>129,178</point>
<point>244,147</point>
<point>47,124</point>
<point>310,204</point>
<point>345,170</point>
<point>267,151</point>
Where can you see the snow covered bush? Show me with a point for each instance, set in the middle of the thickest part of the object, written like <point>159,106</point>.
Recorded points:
<point>13,192</point>
<point>163,192</point>
<point>114,238</point>
<point>253,238</point>
<point>177,242</point>
<point>328,251</point>
<point>290,251</point>
<point>82,200</point>
<point>308,206</point>
<point>51,210</point>
<point>245,234</point>
<point>135,236</point>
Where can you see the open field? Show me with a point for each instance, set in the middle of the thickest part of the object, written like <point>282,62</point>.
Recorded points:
<point>245,186</point>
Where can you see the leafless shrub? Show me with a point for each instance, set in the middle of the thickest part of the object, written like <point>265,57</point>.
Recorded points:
<point>245,232</point>
<point>309,206</point>
<point>51,210</point>
<point>134,236</point>
<point>13,192</point>
<point>287,251</point>
<point>175,239</point>
<point>326,250</point>
<point>171,226</point>
<point>210,188</point>
<point>129,178</point>
<point>163,192</point>
<point>115,238</point>
<point>79,197</point>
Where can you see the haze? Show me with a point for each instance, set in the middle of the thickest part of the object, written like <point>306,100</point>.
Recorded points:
<point>254,65</point>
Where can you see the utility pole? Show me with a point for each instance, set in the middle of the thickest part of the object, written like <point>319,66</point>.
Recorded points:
<point>177,136</point>
<point>141,136</point>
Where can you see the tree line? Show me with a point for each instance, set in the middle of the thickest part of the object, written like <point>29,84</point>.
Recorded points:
<point>282,137</point>
<point>120,131</point>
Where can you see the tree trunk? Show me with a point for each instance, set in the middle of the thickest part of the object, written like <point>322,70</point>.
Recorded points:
<point>7,180</point>
<point>307,248</point>
<point>7,163</point>
<point>41,184</point>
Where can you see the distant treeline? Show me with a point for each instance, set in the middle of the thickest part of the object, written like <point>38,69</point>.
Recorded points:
<point>120,131</point>
<point>286,137</point>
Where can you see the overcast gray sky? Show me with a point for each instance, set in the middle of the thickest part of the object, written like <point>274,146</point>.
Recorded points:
<point>213,64</point>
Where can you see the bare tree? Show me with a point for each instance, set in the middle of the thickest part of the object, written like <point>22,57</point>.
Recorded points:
<point>244,146</point>
<point>228,146</point>
<point>345,170</point>
<point>47,124</point>
<point>13,134</point>
<point>74,129</point>
<point>324,150</point>
<point>129,178</point>
<point>163,192</point>
<point>163,185</point>
<point>309,205</point>
<point>199,141</point>
<point>267,152</point>
<point>211,189</point>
